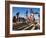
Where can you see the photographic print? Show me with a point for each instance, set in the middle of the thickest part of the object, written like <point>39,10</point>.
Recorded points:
<point>24,18</point>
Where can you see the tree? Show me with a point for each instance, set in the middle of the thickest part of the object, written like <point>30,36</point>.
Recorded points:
<point>31,11</point>
<point>17,14</point>
<point>26,13</point>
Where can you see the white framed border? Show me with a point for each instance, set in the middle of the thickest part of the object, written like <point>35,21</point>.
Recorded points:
<point>25,31</point>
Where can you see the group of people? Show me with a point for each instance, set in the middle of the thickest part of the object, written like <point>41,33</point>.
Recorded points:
<point>32,21</point>
<point>29,20</point>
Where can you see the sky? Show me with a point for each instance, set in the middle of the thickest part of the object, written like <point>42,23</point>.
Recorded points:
<point>23,10</point>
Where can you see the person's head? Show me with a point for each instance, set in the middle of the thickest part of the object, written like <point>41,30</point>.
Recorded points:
<point>32,14</point>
